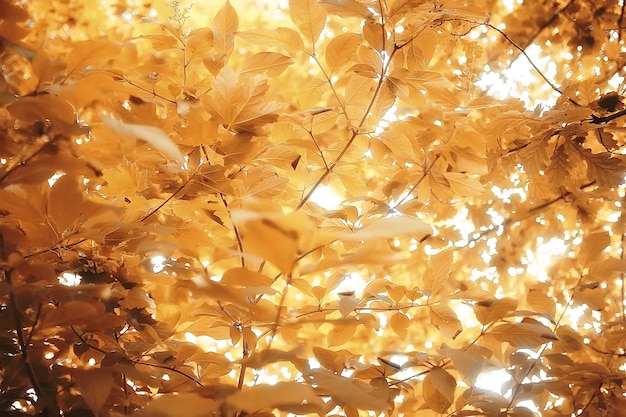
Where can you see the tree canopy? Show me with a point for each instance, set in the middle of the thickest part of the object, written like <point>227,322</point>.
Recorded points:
<point>312,207</point>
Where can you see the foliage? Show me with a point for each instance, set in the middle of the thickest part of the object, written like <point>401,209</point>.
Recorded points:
<point>165,250</point>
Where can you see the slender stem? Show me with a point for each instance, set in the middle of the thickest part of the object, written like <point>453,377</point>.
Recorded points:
<point>135,361</point>
<point>168,199</point>
<point>419,181</point>
<point>516,46</point>
<point>19,329</point>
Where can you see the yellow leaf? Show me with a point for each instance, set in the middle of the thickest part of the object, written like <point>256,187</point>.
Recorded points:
<point>346,8</point>
<point>390,227</point>
<point>284,38</point>
<point>399,322</point>
<point>150,134</point>
<point>525,335</point>
<point>95,385</point>
<point>347,390</point>
<point>161,42</point>
<point>446,320</point>
<point>137,298</point>
<point>347,305</point>
<point>272,242</point>
<point>489,311</point>
<point>225,26</point>
<point>309,17</point>
<point>168,313</point>
<point>243,277</point>
<point>593,245</point>
<point>259,359</point>
<point>341,332</point>
<point>374,34</point>
<point>463,184</point>
<point>87,53</point>
<point>65,203</point>
<point>341,50</point>
<point>292,397</point>
<point>438,390</point>
<point>364,70</point>
<point>436,276</point>
<point>72,313</point>
<point>283,157</point>
<point>540,302</point>
<point>175,405</point>
<point>271,63</point>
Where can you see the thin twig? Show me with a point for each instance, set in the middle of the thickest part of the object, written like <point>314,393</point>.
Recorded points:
<point>17,319</point>
<point>25,161</point>
<point>135,361</point>
<point>516,46</point>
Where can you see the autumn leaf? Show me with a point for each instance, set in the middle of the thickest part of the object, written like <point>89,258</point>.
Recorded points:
<point>390,227</point>
<point>281,37</point>
<point>95,386</point>
<point>446,320</point>
<point>150,134</point>
<point>271,63</point>
<point>90,52</point>
<point>286,396</point>
<point>527,334</point>
<point>347,390</point>
<point>309,17</point>
<point>225,26</point>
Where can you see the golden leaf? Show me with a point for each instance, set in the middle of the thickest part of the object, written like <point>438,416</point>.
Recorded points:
<point>347,390</point>
<point>525,335</point>
<point>95,385</point>
<point>341,49</point>
<point>281,37</point>
<point>309,17</point>
<point>86,53</point>
<point>225,26</point>
<point>346,8</point>
<point>271,63</point>
<point>446,320</point>
<point>150,134</point>
<point>341,332</point>
<point>290,397</point>
<point>489,311</point>
<point>190,404</point>
<point>399,322</point>
<point>437,387</point>
<point>390,227</point>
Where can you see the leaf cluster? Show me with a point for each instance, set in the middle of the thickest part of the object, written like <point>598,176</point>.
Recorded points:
<point>165,246</point>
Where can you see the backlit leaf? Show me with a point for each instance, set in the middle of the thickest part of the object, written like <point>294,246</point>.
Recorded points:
<point>309,17</point>
<point>527,334</point>
<point>341,49</point>
<point>281,37</point>
<point>95,386</point>
<point>150,134</point>
<point>286,396</point>
<point>390,227</point>
<point>271,63</point>
<point>90,52</point>
<point>348,390</point>
<point>446,320</point>
<point>225,26</point>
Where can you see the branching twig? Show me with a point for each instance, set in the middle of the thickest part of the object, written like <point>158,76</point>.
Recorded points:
<point>507,222</point>
<point>26,160</point>
<point>599,120</point>
<point>135,361</point>
<point>516,46</point>
<point>168,199</point>
<point>21,340</point>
